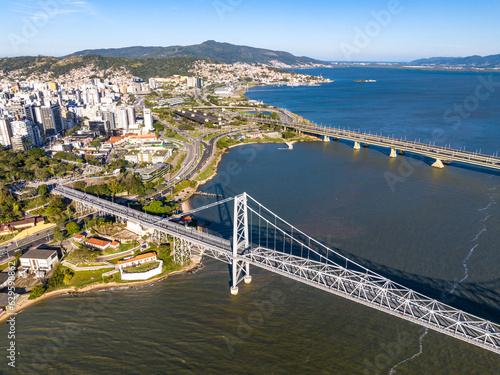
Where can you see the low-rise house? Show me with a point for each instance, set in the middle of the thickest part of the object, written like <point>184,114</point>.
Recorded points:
<point>79,238</point>
<point>39,259</point>
<point>137,260</point>
<point>101,244</point>
<point>254,135</point>
<point>21,224</point>
<point>140,267</point>
<point>114,245</point>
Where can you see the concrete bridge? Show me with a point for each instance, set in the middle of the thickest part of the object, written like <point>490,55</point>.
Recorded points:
<point>441,155</point>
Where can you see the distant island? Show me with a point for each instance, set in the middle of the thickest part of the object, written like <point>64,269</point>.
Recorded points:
<point>478,62</point>
<point>365,80</point>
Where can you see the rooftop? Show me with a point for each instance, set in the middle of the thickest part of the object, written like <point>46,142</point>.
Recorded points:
<point>38,254</point>
<point>138,257</point>
<point>97,242</point>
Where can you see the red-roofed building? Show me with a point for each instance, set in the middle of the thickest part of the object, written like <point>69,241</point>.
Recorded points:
<point>79,238</point>
<point>139,259</point>
<point>97,244</point>
<point>142,138</point>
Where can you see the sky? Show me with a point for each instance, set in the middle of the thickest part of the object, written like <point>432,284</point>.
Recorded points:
<point>333,30</point>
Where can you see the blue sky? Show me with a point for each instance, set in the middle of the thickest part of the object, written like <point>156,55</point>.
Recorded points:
<point>360,30</point>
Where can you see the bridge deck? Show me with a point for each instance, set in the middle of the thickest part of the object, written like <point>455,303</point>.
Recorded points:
<point>364,287</point>
<point>432,151</point>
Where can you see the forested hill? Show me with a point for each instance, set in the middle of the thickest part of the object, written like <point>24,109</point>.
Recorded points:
<point>211,50</point>
<point>144,68</point>
<point>486,62</point>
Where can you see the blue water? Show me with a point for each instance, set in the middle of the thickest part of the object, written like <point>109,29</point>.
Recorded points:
<point>445,108</point>
<point>433,230</point>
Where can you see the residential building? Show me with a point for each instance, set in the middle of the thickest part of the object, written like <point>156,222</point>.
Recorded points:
<point>5,133</point>
<point>101,244</point>
<point>51,119</point>
<point>148,120</point>
<point>39,260</point>
<point>137,260</point>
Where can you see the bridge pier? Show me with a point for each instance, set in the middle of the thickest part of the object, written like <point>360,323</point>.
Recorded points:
<point>438,164</point>
<point>357,145</point>
<point>393,153</point>
<point>326,138</point>
<point>240,243</point>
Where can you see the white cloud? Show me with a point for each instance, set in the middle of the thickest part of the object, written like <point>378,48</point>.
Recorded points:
<point>42,10</point>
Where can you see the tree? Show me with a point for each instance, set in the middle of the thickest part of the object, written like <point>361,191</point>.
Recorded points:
<point>114,187</point>
<point>58,235</point>
<point>37,291</point>
<point>80,185</point>
<point>96,144</point>
<point>43,190</point>
<point>35,152</point>
<point>72,228</point>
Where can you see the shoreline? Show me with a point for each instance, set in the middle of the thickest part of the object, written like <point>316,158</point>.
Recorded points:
<point>23,304</point>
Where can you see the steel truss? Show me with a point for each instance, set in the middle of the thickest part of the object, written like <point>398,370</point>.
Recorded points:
<point>304,259</point>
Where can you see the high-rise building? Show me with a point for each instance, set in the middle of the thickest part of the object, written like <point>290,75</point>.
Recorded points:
<point>51,119</point>
<point>131,116</point>
<point>27,131</point>
<point>122,117</point>
<point>20,143</point>
<point>152,84</point>
<point>34,134</point>
<point>148,120</point>
<point>5,133</point>
<point>191,82</point>
<point>109,118</point>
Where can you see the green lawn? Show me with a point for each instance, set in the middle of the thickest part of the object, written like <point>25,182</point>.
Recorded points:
<point>84,278</point>
<point>142,268</point>
<point>181,138</point>
<point>207,172</point>
<point>210,136</point>
<point>123,247</point>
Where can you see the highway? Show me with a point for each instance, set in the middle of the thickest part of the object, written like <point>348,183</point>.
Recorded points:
<point>24,243</point>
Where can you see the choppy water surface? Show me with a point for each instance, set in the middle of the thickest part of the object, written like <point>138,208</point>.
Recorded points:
<point>433,230</point>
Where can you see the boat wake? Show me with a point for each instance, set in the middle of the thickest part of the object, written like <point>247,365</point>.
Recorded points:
<point>421,344</point>
<point>483,230</point>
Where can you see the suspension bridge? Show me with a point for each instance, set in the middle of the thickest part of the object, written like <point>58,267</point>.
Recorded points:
<point>260,238</point>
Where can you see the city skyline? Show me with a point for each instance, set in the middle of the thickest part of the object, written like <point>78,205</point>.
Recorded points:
<point>365,31</point>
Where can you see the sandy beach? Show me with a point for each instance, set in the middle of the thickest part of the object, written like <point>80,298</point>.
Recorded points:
<point>23,302</point>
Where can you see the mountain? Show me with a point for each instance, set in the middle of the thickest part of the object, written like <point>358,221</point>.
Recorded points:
<point>211,50</point>
<point>144,68</point>
<point>486,62</point>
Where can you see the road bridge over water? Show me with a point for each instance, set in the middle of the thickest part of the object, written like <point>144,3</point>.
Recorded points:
<point>263,239</point>
<point>441,155</point>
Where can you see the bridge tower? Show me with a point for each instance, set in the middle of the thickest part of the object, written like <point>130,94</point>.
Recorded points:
<point>240,243</point>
